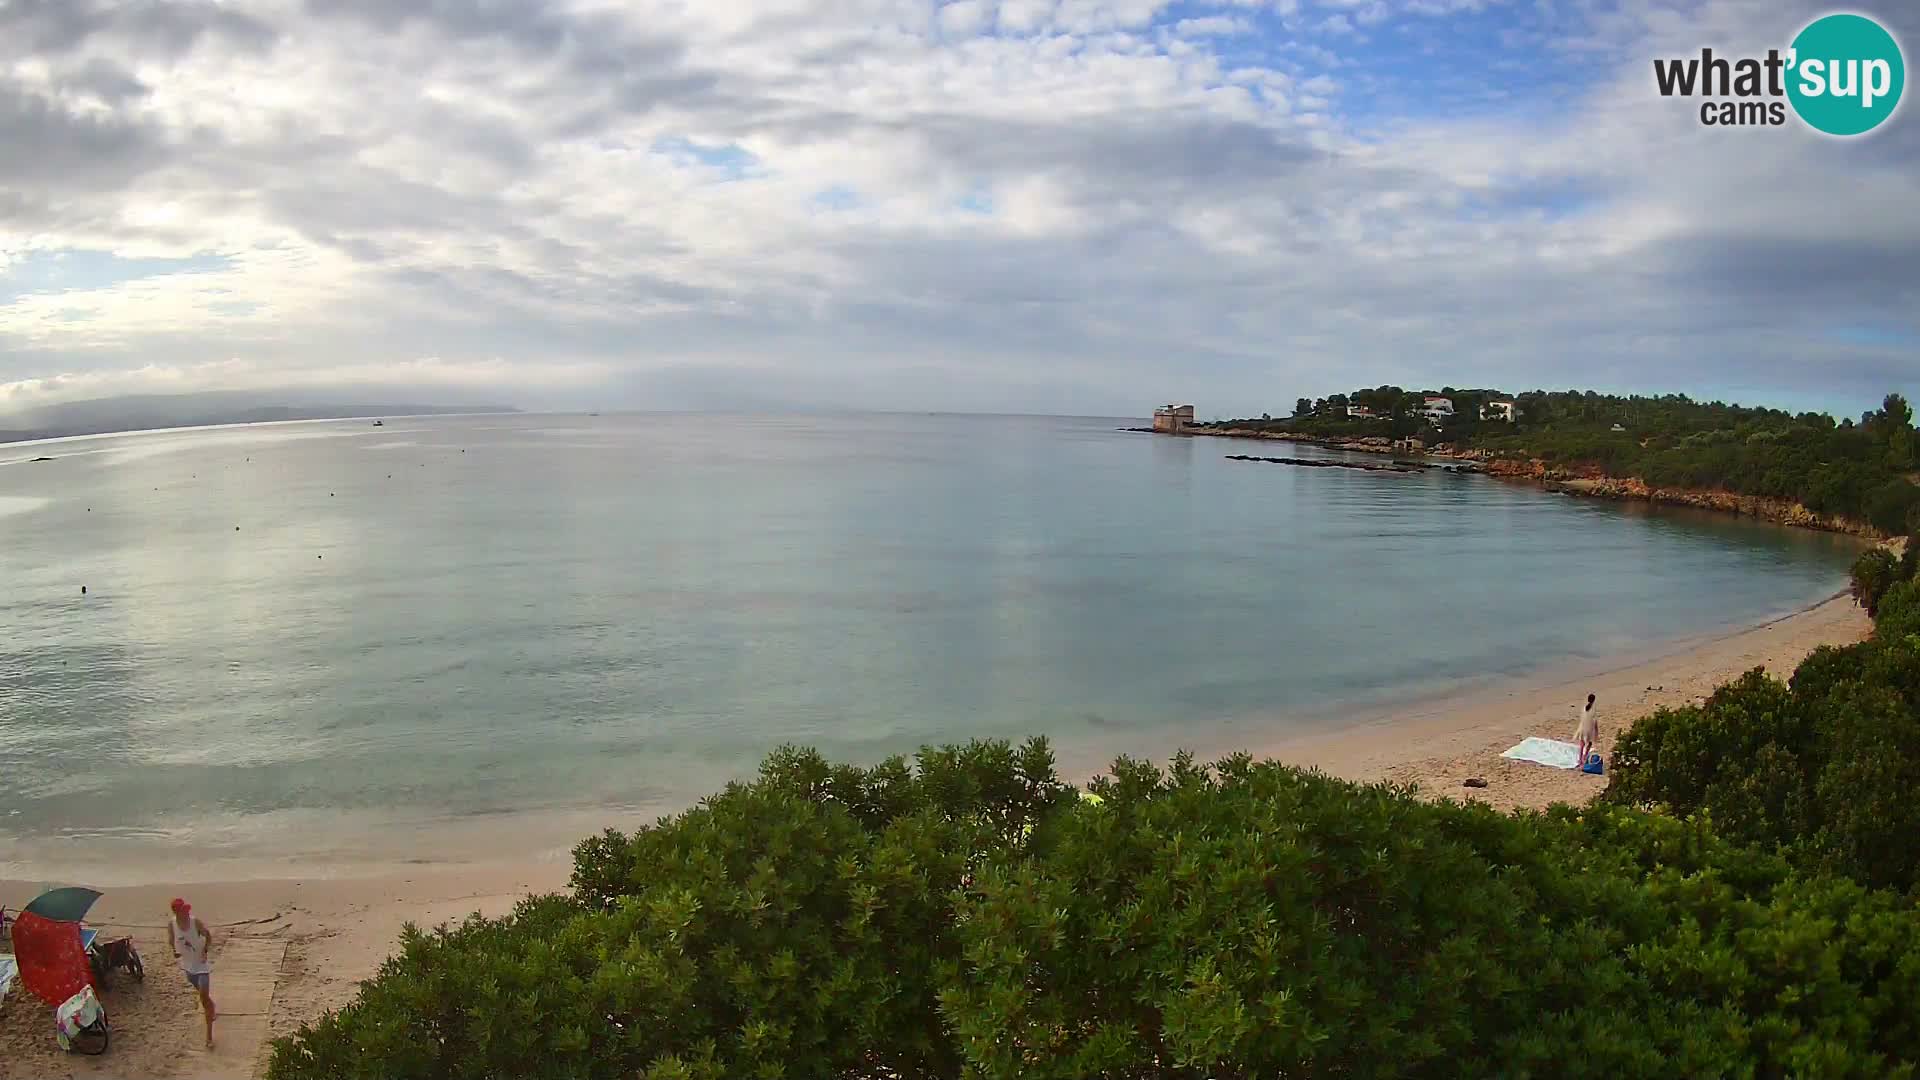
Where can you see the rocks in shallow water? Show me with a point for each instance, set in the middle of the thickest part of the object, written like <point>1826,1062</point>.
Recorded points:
<point>1317,463</point>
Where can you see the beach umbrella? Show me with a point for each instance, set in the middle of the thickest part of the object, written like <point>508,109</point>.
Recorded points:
<point>53,964</point>
<point>63,905</point>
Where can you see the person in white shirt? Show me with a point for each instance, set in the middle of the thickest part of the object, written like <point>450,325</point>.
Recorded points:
<point>1587,734</point>
<point>191,943</point>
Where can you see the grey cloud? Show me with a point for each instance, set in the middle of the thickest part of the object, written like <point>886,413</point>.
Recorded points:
<point>47,144</point>
<point>110,82</point>
<point>159,27</point>
<point>599,47</point>
<point>529,25</point>
<point>1806,278</point>
<point>1166,152</point>
<point>607,69</point>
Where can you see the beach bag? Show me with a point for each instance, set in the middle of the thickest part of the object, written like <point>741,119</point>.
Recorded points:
<point>80,1024</point>
<point>1593,765</point>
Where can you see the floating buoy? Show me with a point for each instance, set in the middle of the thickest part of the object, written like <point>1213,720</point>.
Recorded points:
<point>83,590</point>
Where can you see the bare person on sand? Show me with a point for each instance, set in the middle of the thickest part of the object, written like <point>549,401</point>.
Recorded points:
<point>192,942</point>
<point>1587,734</point>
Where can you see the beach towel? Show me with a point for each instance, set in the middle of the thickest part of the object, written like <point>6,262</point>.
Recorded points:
<point>7,970</point>
<point>1549,752</point>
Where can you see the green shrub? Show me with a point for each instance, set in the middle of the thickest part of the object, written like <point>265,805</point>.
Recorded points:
<point>1874,572</point>
<point>795,926</point>
<point>1243,920</point>
<point>1898,619</point>
<point>1870,804</point>
<point>1821,768</point>
<point>1746,756</point>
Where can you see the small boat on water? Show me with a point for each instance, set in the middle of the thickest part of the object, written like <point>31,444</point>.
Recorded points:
<point>379,423</point>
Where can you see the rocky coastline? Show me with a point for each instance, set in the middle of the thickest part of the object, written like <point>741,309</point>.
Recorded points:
<point>1579,480</point>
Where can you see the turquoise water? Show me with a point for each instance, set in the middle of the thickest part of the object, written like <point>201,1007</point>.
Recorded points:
<point>459,617</point>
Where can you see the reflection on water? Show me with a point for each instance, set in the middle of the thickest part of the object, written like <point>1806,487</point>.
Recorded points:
<point>283,631</point>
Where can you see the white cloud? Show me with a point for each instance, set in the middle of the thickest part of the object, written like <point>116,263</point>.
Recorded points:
<point>862,199</point>
<point>964,18</point>
<point>1213,26</point>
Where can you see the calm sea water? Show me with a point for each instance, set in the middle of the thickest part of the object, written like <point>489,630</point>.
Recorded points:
<point>312,636</point>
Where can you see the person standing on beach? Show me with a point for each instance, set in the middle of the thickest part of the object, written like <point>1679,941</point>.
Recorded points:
<point>191,943</point>
<point>1587,734</point>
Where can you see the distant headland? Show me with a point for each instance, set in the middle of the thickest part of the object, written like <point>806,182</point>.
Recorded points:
<point>150,412</point>
<point>1808,469</point>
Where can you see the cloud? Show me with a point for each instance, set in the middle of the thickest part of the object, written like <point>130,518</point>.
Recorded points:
<point>1213,26</point>
<point>1079,205</point>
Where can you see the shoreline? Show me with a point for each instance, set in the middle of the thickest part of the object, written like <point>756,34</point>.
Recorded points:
<point>1580,481</point>
<point>1435,750</point>
<point>298,946</point>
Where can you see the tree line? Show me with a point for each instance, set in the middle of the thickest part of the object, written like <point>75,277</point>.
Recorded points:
<point>1861,470</point>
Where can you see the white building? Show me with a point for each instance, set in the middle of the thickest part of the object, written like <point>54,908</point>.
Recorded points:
<point>1497,410</point>
<point>1360,412</point>
<point>1437,409</point>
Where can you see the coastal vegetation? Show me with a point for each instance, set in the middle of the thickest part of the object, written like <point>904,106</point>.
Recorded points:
<point>1858,470</point>
<point>1743,903</point>
<point>1819,767</point>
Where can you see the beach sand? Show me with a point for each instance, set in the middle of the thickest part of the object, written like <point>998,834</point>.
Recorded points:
<point>288,949</point>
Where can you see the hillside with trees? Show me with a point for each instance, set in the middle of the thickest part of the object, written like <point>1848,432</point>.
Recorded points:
<point>1860,470</point>
<point>1744,902</point>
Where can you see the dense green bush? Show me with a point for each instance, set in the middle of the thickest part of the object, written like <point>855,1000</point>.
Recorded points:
<point>1874,572</point>
<point>969,917</point>
<point>1745,756</point>
<point>1898,619</point>
<point>797,926</point>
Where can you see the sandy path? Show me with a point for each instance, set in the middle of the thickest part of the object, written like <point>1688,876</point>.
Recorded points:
<point>290,949</point>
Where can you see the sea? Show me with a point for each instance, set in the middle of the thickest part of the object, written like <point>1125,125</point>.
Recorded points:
<point>324,644</point>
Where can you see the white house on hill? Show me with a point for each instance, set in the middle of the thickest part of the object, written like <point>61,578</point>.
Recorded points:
<point>1437,409</point>
<point>1497,410</point>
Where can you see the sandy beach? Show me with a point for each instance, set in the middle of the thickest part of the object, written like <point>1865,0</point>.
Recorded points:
<point>288,949</point>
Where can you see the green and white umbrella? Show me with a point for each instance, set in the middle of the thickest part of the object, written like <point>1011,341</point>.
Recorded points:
<point>63,905</point>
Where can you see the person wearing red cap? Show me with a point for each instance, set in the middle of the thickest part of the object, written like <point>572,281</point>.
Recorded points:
<point>191,943</point>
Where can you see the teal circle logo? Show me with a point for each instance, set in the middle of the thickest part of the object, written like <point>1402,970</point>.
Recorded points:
<point>1846,74</point>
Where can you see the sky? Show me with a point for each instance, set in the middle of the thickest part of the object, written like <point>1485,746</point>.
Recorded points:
<point>1055,206</point>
